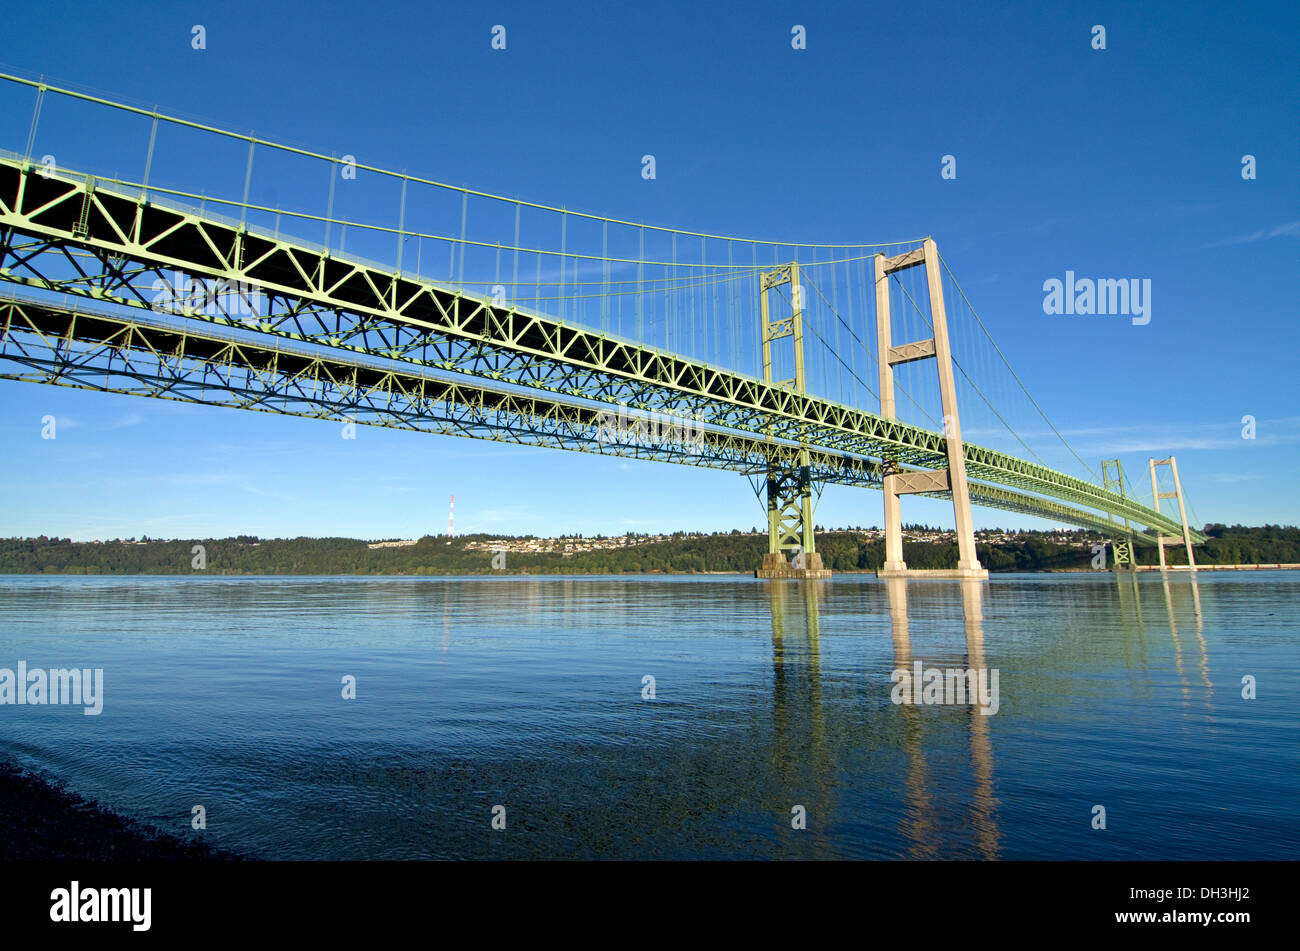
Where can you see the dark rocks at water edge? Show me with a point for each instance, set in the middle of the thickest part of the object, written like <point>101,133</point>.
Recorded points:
<point>39,820</point>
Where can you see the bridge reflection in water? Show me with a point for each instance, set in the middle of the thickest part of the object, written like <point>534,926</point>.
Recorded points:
<point>804,734</point>
<point>920,827</point>
<point>797,682</point>
<point>534,686</point>
<point>798,716</point>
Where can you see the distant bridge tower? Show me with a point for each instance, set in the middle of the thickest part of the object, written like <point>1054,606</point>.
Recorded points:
<point>789,486</point>
<point>451,520</point>
<point>898,482</point>
<point>1156,496</point>
<point>1115,483</point>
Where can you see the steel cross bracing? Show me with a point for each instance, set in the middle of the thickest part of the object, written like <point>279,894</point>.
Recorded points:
<point>112,353</point>
<point>66,233</point>
<point>94,350</point>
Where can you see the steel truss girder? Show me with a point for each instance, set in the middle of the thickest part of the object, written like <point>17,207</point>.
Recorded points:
<point>128,238</point>
<point>89,350</point>
<point>111,353</point>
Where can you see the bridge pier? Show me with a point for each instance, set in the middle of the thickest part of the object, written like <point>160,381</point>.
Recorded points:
<point>790,522</point>
<point>897,481</point>
<point>1123,553</point>
<point>1122,550</point>
<point>802,567</point>
<point>789,485</point>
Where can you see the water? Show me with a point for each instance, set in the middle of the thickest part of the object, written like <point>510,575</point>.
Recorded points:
<point>527,693</point>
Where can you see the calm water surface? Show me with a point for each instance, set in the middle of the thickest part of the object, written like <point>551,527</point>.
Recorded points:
<point>1119,692</point>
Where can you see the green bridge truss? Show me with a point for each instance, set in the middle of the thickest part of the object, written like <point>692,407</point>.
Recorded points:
<point>365,340</point>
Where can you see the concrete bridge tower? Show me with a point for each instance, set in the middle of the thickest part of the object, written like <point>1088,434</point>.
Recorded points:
<point>899,482</point>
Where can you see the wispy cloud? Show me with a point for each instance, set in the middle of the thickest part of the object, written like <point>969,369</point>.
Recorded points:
<point>1169,443</point>
<point>1167,437</point>
<point>1228,432</point>
<point>507,515</point>
<point>1234,476</point>
<point>179,525</point>
<point>1289,230</point>
<point>122,422</point>
<point>201,479</point>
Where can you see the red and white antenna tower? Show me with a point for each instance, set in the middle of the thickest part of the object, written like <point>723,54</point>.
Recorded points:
<point>451,520</point>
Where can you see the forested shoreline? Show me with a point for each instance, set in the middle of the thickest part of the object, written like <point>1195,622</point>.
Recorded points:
<point>841,550</point>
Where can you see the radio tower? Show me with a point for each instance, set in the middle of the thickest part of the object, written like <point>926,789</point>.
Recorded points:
<point>451,520</point>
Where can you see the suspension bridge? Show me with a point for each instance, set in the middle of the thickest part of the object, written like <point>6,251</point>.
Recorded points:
<point>234,271</point>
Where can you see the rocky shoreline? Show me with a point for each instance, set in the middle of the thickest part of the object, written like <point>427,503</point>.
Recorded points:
<point>40,820</point>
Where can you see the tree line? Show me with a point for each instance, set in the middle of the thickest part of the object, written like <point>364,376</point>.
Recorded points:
<point>841,550</point>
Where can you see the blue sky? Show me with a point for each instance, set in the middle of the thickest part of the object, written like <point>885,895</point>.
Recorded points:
<point>1123,162</point>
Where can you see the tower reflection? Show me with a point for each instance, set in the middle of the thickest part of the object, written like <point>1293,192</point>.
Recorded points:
<point>1192,587</point>
<point>802,746</point>
<point>798,718</point>
<point>919,825</point>
<point>983,817</point>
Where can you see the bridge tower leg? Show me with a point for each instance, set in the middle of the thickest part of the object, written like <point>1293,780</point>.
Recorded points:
<point>789,486</point>
<point>1156,496</point>
<point>899,482</point>
<point>1115,483</point>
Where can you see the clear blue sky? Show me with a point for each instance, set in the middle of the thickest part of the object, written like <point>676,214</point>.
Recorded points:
<point>1115,163</point>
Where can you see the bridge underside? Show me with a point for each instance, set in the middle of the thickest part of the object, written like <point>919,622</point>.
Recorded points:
<point>163,358</point>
